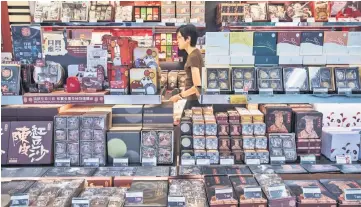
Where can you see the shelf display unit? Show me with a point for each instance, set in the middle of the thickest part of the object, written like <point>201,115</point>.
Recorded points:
<point>86,110</point>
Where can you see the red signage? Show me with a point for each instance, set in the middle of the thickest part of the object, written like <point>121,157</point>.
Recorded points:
<point>64,99</point>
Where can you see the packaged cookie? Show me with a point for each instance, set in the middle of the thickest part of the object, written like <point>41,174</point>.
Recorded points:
<point>263,156</point>
<point>224,144</point>
<point>60,147</point>
<point>211,129</point>
<point>243,79</point>
<point>222,117</point>
<point>165,156</point>
<point>86,134</point>
<point>186,142</point>
<point>290,154</point>
<point>348,78</point>
<point>277,10</point>
<point>60,122</point>
<point>223,129</point>
<point>87,122</point>
<point>149,138</point>
<point>235,129</point>
<point>256,11</point>
<point>73,148</point>
<point>259,129</point>
<point>296,78</point>
<point>214,156</point>
<point>149,152</point>
<point>86,147</point>
<point>187,153</point>
<point>186,126</point>
<point>99,135</point>
<point>165,138</point>
<point>198,128</point>
<point>321,77</point>
<point>73,135</point>
<point>200,153</point>
<point>211,143</point>
<point>73,122</point>
<point>99,148</point>
<point>270,77</point>
<point>236,144</point>
<point>60,134</point>
<point>247,129</point>
<point>199,142</point>
<point>276,152</point>
<point>261,142</point>
<point>249,142</point>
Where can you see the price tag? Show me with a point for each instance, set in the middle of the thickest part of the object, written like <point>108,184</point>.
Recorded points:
<point>91,162</point>
<point>188,161</point>
<point>320,90</point>
<point>134,197</point>
<point>311,192</point>
<point>238,99</point>
<point>275,19</point>
<point>203,160</point>
<point>310,19</point>
<point>332,19</point>
<point>138,91</point>
<point>277,192</point>
<point>248,19</point>
<point>120,162</point>
<point>224,193</point>
<point>20,199</point>
<point>279,160</point>
<point>149,161</point>
<point>344,91</point>
<point>253,161</point>
<point>65,19</point>
<point>80,202</point>
<point>62,162</point>
<point>226,160</point>
<point>194,20</point>
<point>176,201</point>
<point>252,192</point>
<point>139,21</point>
<point>296,19</point>
<point>240,91</point>
<point>308,159</point>
<point>292,90</point>
<point>93,20</point>
<point>118,20</point>
<point>266,91</point>
<point>343,159</point>
<point>213,91</point>
<point>352,194</point>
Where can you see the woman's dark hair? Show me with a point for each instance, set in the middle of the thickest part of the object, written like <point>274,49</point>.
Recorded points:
<point>187,31</point>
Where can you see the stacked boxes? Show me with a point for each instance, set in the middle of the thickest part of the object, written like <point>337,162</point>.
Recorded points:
<point>198,9</point>
<point>183,9</point>
<point>167,45</point>
<point>168,11</point>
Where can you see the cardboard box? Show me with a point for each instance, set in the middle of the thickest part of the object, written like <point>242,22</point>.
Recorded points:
<point>241,44</point>
<point>354,43</point>
<point>213,182</point>
<point>277,119</point>
<point>239,183</point>
<point>337,187</point>
<point>124,142</point>
<point>264,44</point>
<point>288,43</point>
<point>339,143</point>
<point>311,43</point>
<point>217,43</point>
<point>308,125</point>
<point>143,80</point>
<point>321,77</point>
<point>335,43</point>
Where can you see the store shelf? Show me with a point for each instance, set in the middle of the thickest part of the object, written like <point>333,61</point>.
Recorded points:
<point>132,99</point>
<point>11,100</point>
<point>284,98</point>
<point>80,99</point>
<point>115,24</point>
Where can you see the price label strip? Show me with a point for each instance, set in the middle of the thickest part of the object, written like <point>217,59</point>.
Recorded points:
<point>344,91</point>
<point>62,162</point>
<point>292,91</point>
<point>134,197</point>
<point>311,192</point>
<point>226,160</point>
<point>266,91</point>
<point>353,194</point>
<point>80,202</point>
<point>253,161</point>
<point>21,199</point>
<point>120,162</point>
<point>176,201</point>
<point>343,159</point>
<point>149,161</point>
<point>320,90</point>
<point>203,160</point>
<point>308,159</point>
<point>224,194</point>
<point>252,192</point>
<point>279,160</point>
<point>91,162</point>
<point>277,192</point>
<point>188,161</point>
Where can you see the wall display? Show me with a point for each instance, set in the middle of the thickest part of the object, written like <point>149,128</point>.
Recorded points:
<point>326,198</point>
<point>74,11</point>
<point>321,77</point>
<point>348,78</point>
<point>337,187</point>
<point>321,10</point>
<point>157,144</point>
<point>244,78</point>
<point>192,190</point>
<point>123,13</point>
<point>143,80</point>
<point>308,124</point>
<point>5,137</point>
<point>154,193</point>
<point>283,145</point>
<point>288,43</point>
<point>10,79</point>
<point>264,44</point>
<point>100,12</point>
<point>47,11</point>
<point>277,10</point>
<point>296,78</point>
<point>300,10</point>
<point>26,44</point>
<point>54,43</point>
<point>31,142</point>
<point>256,11</point>
<point>123,142</point>
<point>311,43</point>
<point>270,78</point>
<point>218,78</point>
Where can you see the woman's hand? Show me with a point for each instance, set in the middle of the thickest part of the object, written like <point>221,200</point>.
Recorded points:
<point>175,98</point>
